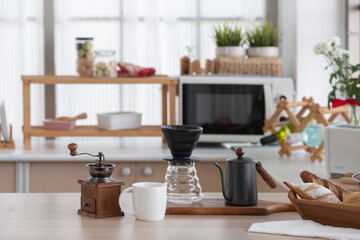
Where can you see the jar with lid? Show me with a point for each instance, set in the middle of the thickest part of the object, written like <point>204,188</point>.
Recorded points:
<point>105,63</point>
<point>85,57</point>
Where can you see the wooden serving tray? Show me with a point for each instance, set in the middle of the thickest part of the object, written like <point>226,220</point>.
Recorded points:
<point>217,206</point>
<point>337,215</point>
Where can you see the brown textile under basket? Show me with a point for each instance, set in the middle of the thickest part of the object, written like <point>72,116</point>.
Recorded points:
<point>255,66</point>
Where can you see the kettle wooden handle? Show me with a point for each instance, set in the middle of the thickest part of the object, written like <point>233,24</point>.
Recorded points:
<point>265,175</point>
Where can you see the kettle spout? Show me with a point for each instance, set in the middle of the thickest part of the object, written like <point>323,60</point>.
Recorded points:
<point>222,182</point>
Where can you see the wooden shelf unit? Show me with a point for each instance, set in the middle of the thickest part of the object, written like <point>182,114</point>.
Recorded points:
<point>88,131</point>
<point>168,86</point>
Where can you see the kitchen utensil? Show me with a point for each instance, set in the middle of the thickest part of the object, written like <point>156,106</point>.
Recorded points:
<point>149,201</point>
<point>337,215</point>
<point>105,64</point>
<point>58,125</point>
<point>71,119</point>
<point>100,192</point>
<point>183,185</point>
<point>4,125</point>
<point>7,145</point>
<point>85,60</point>
<point>63,123</point>
<point>217,206</point>
<point>241,188</point>
<point>119,120</point>
<point>100,172</point>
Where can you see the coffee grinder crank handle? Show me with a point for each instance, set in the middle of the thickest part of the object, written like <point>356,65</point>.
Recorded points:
<point>73,146</point>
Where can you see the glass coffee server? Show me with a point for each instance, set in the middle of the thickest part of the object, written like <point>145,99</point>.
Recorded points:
<point>183,186</point>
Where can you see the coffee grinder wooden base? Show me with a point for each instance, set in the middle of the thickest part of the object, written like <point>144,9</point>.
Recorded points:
<point>100,200</point>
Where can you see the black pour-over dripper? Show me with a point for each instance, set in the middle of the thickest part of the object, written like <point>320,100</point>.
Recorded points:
<point>181,140</point>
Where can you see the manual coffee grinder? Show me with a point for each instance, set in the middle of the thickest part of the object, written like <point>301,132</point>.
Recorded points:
<point>100,192</point>
<point>183,185</point>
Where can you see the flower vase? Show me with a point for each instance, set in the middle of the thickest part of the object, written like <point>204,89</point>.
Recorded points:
<point>355,114</point>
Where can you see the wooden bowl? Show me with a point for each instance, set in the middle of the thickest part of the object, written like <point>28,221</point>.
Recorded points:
<point>337,215</point>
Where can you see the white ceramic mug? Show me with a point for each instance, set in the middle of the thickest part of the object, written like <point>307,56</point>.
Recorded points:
<point>149,201</point>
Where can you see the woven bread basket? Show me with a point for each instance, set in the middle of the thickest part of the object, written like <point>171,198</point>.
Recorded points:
<point>254,66</point>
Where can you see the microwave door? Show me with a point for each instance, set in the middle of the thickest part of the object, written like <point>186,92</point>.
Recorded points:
<point>224,109</point>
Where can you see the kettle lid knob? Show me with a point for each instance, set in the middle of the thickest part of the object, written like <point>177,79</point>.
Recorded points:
<point>239,152</point>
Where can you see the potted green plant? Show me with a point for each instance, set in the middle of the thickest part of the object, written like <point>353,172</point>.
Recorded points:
<point>229,41</point>
<point>263,41</point>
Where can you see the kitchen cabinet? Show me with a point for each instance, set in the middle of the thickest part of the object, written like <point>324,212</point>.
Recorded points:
<point>7,177</point>
<point>63,176</point>
<point>151,172</point>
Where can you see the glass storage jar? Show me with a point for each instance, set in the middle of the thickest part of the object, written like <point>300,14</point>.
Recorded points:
<point>105,64</point>
<point>85,57</point>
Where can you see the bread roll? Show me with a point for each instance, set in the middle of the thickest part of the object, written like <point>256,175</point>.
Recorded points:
<point>353,199</point>
<point>339,191</point>
<point>313,191</point>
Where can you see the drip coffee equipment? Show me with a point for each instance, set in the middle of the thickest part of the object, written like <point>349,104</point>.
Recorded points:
<point>183,185</point>
<point>99,192</point>
<point>240,186</point>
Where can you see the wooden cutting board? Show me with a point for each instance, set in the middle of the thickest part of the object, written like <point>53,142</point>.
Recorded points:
<point>217,206</point>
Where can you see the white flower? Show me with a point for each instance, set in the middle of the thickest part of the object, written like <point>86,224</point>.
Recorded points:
<point>335,40</point>
<point>324,47</point>
<point>335,54</point>
<point>345,52</point>
<point>317,49</point>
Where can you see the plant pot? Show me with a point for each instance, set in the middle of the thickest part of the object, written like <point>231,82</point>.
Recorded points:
<point>265,52</point>
<point>230,51</point>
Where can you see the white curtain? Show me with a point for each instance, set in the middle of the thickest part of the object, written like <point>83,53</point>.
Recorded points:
<point>21,53</point>
<point>150,33</point>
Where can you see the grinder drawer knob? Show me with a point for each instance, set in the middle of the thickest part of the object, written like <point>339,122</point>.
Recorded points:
<point>85,204</point>
<point>148,171</point>
<point>126,171</point>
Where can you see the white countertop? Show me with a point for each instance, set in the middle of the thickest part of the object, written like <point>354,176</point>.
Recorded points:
<point>153,150</point>
<point>115,149</point>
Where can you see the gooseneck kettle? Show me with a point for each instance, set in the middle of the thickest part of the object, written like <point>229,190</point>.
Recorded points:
<point>241,186</point>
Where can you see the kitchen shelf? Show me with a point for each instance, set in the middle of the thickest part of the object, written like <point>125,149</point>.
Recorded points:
<point>168,86</point>
<point>90,131</point>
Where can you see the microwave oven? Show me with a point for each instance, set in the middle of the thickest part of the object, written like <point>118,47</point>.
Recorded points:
<point>230,108</point>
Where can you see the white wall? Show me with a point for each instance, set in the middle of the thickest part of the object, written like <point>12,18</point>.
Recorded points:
<point>304,24</point>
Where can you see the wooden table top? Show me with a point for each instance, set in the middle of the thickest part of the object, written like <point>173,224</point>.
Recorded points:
<point>53,216</point>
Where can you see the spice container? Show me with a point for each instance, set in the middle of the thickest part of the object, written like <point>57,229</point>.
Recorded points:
<point>105,64</point>
<point>85,58</point>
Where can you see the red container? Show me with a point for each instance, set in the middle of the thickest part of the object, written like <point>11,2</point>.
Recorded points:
<point>57,125</point>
